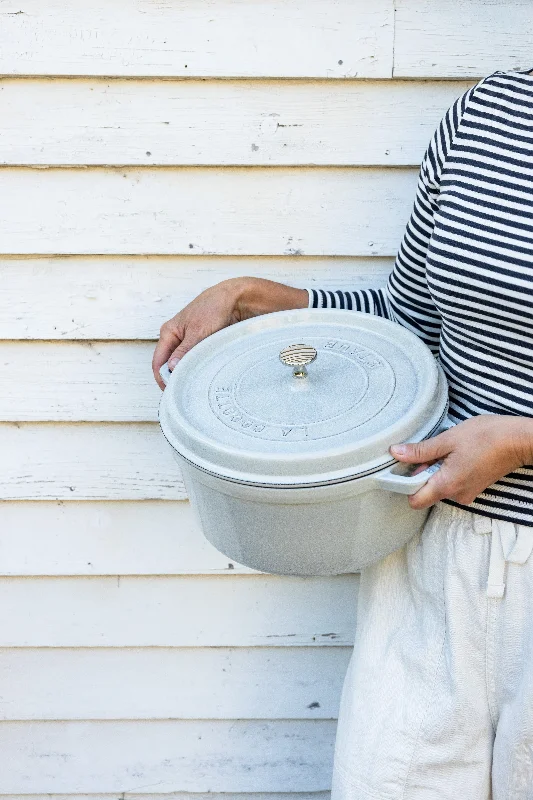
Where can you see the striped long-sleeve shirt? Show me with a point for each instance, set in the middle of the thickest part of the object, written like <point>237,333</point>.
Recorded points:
<point>463,277</point>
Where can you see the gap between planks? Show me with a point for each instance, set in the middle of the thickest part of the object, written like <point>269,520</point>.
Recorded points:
<point>242,79</point>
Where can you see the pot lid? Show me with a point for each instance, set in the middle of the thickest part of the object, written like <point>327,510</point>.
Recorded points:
<point>300,397</point>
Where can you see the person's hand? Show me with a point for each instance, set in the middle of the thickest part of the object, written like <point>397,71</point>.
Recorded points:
<point>217,307</point>
<point>475,454</point>
<point>213,309</point>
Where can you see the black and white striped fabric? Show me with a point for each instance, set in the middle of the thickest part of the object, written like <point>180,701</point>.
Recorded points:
<point>463,278</point>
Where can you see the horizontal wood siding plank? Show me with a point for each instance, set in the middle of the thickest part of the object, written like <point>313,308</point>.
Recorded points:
<point>101,381</point>
<point>87,462</point>
<point>218,611</point>
<point>129,297</point>
<point>284,38</point>
<point>213,683</point>
<point>166,756</point>
<point>256,123</point>
<point>456,39</point>
<point>290,39</point>
<point>102,538</point>
<point>196,210</point>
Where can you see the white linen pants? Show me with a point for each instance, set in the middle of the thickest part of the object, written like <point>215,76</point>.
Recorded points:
<point>437,702</point>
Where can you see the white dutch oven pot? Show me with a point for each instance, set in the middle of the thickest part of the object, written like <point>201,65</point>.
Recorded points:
<point>282,426</point>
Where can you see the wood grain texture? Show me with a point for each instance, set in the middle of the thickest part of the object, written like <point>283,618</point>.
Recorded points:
<point>459,40</point>
<point>87,462</point>
<point>213,683</point>
<point>106,538</point>
<point>284,38</point>
<point>93,381</point>
<point>130,297</point>
<point>166,756</point>
<point>73,122</point>
<point>217,611</point>
<point>196,210</point>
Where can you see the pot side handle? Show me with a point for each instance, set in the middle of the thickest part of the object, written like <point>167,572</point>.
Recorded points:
<point>165,373</point>
<point>405,484</point>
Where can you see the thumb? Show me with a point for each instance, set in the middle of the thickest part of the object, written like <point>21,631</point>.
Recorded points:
<point>422,452</point>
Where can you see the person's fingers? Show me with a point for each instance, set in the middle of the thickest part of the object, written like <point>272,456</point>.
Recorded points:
<point>167,343</point>
<point>156,366</point>
<point>453,481</point>
<point>437,488</point>
<point>419,468</point>
<point>167,352</point>
<point>187,344</point>
<point>422,452</point>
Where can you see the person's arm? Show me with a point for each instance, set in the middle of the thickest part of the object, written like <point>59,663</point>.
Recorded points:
<point>406,298</point>
<point>217,307</point>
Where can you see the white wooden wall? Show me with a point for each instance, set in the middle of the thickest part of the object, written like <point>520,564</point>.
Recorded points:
<point>150,149</point>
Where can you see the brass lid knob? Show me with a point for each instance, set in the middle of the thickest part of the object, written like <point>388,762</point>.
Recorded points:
<point>297,356</point>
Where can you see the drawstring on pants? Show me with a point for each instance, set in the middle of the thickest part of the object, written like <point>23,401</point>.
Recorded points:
<point>510,543</point>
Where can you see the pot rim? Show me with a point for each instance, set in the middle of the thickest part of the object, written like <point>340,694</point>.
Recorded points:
<point>277,482</point>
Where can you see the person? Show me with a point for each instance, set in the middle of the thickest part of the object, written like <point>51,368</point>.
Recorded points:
<point>437,701</point>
